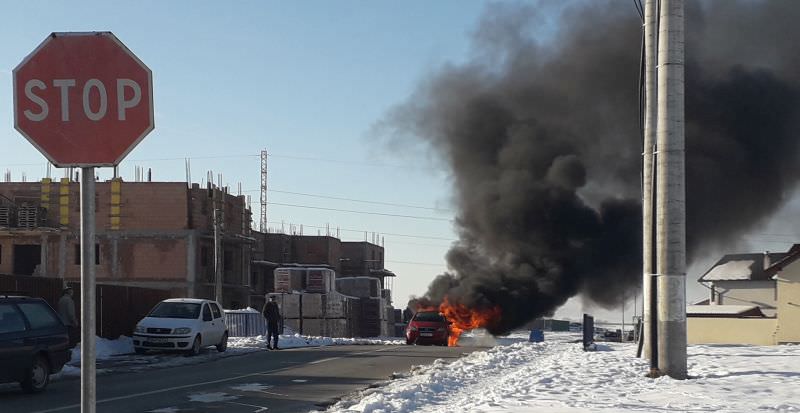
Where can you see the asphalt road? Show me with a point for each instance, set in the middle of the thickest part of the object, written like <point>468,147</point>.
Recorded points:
<point>292,380</point>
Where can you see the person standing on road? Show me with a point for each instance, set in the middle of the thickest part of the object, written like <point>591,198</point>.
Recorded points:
<point>273,315</point>
<point>66,309</point>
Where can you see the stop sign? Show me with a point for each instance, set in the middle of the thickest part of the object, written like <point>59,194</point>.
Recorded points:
<point>83,99</point>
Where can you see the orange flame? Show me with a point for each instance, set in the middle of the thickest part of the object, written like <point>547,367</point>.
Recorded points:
<point>464,318</point>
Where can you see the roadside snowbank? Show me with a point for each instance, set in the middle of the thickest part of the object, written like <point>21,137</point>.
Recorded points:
<point>557,376</point>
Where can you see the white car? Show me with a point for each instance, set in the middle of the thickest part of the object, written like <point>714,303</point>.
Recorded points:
<point>186,324</point>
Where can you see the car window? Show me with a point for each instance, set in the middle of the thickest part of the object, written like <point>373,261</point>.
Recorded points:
<point>175,310</point>
<point>429,316</point>
<point>39,315</point>
<point>215,310</point>
<point>206,313</point>
<point>10,319</point>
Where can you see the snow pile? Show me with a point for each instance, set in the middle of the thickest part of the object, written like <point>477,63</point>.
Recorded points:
<point>296,340</point>
<point>558,376</point>
<point>243,310</point>
<point>105,348</point>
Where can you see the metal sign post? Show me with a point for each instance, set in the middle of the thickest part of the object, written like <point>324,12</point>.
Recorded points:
<point>88,281</point>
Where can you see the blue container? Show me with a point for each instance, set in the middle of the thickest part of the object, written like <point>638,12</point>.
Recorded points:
<point>537,336</point>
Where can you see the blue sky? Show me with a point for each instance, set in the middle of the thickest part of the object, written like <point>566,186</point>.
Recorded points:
<point>299,79</point>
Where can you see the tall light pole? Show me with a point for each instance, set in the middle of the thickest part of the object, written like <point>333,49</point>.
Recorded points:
<point>670,193</point>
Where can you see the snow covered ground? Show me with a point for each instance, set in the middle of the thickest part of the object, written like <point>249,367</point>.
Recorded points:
<point>554,376</point>
<point>558,376</point>
<point>118,355</point>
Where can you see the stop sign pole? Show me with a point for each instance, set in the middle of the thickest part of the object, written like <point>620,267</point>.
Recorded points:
<point>84,100</point>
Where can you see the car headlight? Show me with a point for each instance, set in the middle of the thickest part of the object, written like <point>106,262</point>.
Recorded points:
<point>441,329</point>
<point>182,330</point>
<point>412,328</point>
<point>139,329</point>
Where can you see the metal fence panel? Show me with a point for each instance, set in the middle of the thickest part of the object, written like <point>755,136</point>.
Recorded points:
<point>245,323</point>
<point>118,308</point>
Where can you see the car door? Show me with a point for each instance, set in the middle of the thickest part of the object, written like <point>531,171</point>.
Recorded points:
<point>209,332</point>
<point>15,350</point>
<point>219,321</point>
<point>47,332</point>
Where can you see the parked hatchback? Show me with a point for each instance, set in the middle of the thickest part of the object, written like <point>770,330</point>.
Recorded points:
<point>33,342</point>
<point>185,324</point>
<point>428,327</point>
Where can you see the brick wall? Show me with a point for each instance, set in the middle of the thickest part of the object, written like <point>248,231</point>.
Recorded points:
<point>147,206</point>
<point>156,259</point>
<point>360,257</point>
<point>316,250</point>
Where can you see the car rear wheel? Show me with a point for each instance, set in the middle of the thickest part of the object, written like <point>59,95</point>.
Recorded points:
<point>223,345</point>
<point>195,349</point>
<point>37,377</point>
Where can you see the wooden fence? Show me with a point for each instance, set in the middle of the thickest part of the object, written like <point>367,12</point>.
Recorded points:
<point>119,308</point>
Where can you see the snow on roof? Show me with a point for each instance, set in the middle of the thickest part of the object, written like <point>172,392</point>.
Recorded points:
<point>720,309</point>
<point>731,270</point>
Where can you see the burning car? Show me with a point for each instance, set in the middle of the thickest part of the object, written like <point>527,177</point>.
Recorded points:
<point>428,327</point>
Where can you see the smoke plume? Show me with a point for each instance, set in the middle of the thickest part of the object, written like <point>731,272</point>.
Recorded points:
<point>540,131</point>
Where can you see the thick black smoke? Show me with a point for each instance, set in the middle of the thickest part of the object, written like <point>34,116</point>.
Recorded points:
<point>540,129</point>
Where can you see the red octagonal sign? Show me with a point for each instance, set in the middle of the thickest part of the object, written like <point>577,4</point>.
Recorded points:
<point>83,99</point>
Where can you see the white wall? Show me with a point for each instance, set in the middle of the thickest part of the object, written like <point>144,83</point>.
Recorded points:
<point>761,293</point>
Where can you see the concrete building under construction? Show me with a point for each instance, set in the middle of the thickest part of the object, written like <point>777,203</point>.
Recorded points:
<point>160,235</point>
<point>149,234</point>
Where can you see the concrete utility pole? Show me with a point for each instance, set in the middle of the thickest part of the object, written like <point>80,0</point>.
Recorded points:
<point>671,196</point>
<point>650,107</point>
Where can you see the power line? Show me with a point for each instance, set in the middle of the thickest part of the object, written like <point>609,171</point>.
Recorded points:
<point>272,155</point>
<point>417,244</point>
<point>416,263</point>
<point>183,158</point>
<point>253,155</point>
<point>361,212</point>
<point>361,231</point>
<point>364,201</point>
<point>308,158</point>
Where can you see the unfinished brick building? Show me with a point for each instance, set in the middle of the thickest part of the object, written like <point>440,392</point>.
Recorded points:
<point>149,234</point>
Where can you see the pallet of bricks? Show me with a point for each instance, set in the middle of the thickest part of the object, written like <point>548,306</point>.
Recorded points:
<point>325,315</point>
<point>372,315</point>
<point>387,327</point>
<point>317,309</point>
<point>315,314</point>
<point>398,324</point>
<point>288,287</point>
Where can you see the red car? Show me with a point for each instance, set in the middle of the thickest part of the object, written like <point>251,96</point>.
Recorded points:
<point>428,327</point>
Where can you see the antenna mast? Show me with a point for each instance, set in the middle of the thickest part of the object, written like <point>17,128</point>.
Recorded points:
<point>263,221</point>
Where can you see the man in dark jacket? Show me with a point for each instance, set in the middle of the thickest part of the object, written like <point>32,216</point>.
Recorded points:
<point>273,315</point>
<point>66,309</point>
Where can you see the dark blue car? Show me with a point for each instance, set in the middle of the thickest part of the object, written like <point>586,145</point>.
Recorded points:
<point>33,342</point>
